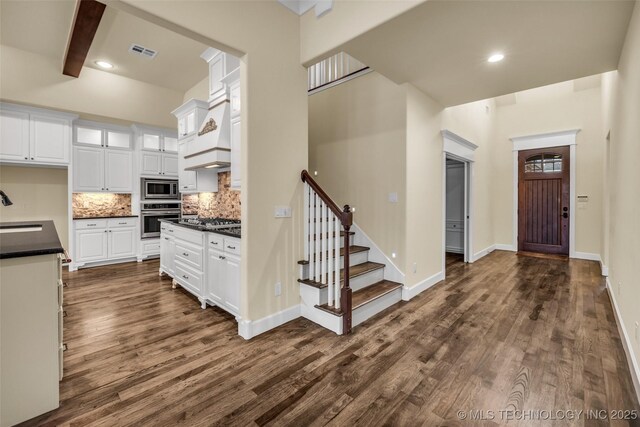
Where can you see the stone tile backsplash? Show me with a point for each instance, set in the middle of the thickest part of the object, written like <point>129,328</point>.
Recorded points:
<point>89,205</point>
<point>225,203</point>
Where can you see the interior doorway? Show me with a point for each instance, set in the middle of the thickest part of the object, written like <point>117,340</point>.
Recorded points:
<point>543,200</point>
<point>456,203</point>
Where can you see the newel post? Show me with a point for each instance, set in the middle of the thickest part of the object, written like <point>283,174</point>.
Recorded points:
<point>346,303</point>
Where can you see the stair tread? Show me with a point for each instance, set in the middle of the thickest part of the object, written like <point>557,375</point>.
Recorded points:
<point>354,271</point>
<point>365,295</point>
<point>353,249</point>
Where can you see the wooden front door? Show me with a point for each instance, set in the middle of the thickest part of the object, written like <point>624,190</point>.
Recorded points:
<point>543,200</point>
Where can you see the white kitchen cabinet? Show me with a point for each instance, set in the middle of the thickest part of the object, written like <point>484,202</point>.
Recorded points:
<point>99,169</point>
<point>216,271</point>
<point>118,139</point>
<point>118,168</point>
<point>91,245</point>
<point>103,240</point>
<point>220,64</point>
<point>190,116</point>
<point>50,139</point>
<point>35,136</point>
<point>236,161</point>
<point>122,242</point>
<point>14,135</point>
<point>157,140</point>
<point>87,134</point>
<point>186,178</point>
<point>167,254</point>
<point>232,283</point>
<point>88,169</point>
<point>234,95</point>
<point>158,164</point>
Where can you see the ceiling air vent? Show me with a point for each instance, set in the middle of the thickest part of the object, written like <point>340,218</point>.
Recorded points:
<point>136,49</point>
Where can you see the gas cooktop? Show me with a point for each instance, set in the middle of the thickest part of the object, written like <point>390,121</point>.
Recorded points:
<point>212,223</point>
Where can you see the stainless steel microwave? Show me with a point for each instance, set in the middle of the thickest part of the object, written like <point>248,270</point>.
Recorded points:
<point>154,189</point>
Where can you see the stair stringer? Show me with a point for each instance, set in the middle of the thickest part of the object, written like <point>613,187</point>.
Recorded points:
<point>391,271</point>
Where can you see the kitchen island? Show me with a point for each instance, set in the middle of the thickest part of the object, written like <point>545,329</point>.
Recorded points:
<point>30,320</point>
<point>203,260</point>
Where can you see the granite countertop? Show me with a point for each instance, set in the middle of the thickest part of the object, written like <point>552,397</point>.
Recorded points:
<point>29,243</point>
<point>105,217</point>
<point>202,228</point>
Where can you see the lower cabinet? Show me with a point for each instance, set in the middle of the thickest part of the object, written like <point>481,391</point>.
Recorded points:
<point>212,274</point>
<point>103,240</point>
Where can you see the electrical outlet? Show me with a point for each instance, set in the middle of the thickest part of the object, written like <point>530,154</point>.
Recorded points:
<point>637,332</point>
<point>278,289</point>
<point>415,267</point>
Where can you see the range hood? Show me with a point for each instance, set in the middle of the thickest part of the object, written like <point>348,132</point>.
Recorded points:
<point>211,147</point>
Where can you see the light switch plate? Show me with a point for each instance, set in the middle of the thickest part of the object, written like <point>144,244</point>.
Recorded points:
<point>282,211</point>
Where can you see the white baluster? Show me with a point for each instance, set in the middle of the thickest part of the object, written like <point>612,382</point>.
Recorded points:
<point>318,237</point>
<point>330,276</point>
<point>312,245</point>
<point>337,272</point>
<point>323,265</point>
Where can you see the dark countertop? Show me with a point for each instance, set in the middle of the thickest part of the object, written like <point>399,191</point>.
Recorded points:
<point>201,228</point>
<point>29,243</point>
<point>104,217</point>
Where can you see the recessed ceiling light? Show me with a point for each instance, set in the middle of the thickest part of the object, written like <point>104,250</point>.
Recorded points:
<point>496,57</point>
<point>104,64</point>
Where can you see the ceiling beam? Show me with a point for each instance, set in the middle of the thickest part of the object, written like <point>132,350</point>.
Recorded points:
<point>85,24</point>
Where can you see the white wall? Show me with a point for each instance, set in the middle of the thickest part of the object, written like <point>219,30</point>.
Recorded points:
<point>624,225</point>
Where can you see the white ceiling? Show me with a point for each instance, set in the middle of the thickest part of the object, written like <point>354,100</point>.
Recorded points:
<point>43,27</point>
<point>442,46</point>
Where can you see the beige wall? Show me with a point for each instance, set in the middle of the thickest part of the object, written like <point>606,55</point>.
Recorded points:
<point>37,194</point>
<point>357,146</point>
<point>552,108</point>
<point>423,176</point>
<point>199,91</point>
<point>29,78</point>
<point>274,136</point>
<point>624,230</point>
<point>320,37</point>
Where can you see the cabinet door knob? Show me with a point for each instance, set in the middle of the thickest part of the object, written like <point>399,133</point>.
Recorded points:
<point>26,158</point>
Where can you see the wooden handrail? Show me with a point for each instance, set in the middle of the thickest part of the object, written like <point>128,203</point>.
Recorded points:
<point>346,219</point>
<point>346,216</point>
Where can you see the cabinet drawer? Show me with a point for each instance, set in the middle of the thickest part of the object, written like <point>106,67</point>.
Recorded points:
<point>60,316</point>
<point>122,222</point>
<point>232,245</point>
<point>60,293</point>
<point>164,226</point>
<point>189,254</point>
<point>90,223</point>
<point>189,278</point>
<point>215,241</point>
<point>190,236</point>
<point>151,248</point>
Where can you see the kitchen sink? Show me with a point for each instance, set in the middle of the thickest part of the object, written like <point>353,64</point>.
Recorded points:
<point>20,228</point>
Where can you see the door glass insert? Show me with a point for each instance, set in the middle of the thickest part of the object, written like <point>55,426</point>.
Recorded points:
<point>547,162</point>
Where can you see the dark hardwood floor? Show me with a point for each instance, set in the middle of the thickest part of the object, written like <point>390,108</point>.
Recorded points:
<point>505,333</point>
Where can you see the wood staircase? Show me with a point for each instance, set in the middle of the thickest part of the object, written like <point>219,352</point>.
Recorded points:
<point>339,289</point>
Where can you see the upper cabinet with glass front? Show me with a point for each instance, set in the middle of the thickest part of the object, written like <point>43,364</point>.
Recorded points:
<point>190,116</point>
<point>156,139</point>
<point>104,135</point>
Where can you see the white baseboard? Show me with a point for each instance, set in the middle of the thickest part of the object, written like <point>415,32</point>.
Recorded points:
<point>408,293</point>
<point>626,342</point>
<point>604,269</point>
<point>486,251</point>
<point>505,247</point>
<point>248,329</point>
<point>587,255</point>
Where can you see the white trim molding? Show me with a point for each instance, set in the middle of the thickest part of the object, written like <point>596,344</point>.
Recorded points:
<point>547,140</point>
<point>457,145</point>
<point>486,251</point>
<point>248,329</point>
<point>505,247</point>
<point>634,368</point>
<point>410,292</point>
